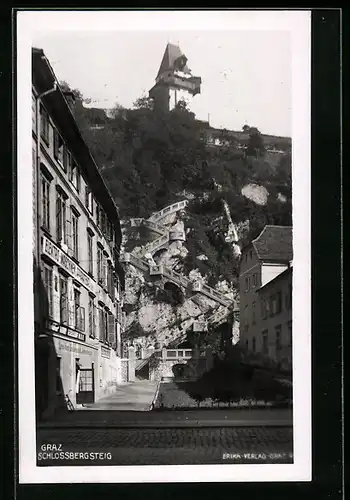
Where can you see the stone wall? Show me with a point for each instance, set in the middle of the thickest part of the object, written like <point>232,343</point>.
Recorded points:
<point>161,367</point>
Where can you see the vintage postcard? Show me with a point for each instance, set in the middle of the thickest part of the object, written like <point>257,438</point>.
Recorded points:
<point>163,246</point>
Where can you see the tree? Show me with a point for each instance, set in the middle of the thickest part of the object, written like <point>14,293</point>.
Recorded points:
<point>144,103</point>
<point>255,146</point>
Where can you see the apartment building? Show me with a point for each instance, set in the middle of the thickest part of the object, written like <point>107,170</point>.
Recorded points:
<point>78,280</point>
<point>266,295</point>
<point>274,338</point>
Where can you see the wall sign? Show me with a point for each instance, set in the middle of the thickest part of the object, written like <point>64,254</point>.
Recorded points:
<point>76,348</point>
<point>57,255</point>
<point>105,352</point>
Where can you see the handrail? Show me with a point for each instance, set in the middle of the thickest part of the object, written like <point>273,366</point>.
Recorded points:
<point>170,209</point>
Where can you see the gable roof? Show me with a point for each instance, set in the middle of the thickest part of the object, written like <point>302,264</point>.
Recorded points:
<point>171,56</point>
<point>274,243</point>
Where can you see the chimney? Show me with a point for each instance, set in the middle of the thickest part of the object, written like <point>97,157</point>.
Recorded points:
<point>70,98</point>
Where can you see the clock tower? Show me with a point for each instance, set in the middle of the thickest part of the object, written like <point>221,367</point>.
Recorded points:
<point>174,81</point>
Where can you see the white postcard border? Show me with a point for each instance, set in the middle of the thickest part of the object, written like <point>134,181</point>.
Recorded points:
<point>299,25</point>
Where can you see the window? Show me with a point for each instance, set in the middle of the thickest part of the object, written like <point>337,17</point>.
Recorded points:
<point>74,175</point>
<point>99,264</point>
<point>290,296</point>
<point>246,284</point>
<point>105,271</point>
<point>273,304</point>
<point>47,279</point>
<point>89,200</point>
<point>251,254</point>
<point>102,221</point>
<point>45,203</point>
<point>79,316</point>
<point>61,233</point>
<point>247,344</point>
<point>254,278</point>
<point>91,316</point>
<point>253,344</point>
<point>44,125</point>
<point>246,315</point>
<point>63,300</point>
<point>98,210</point>
<point>58,147</point>
<point>103,324</point>
<point>75,234</point>
<point>278,302</point>
<point>90,252</point>
<point>267,307</point>
<point>265,337</point>
<point>263,308</point>
<point>253,314</point>
<point>289,326</point>
<point>34,112</point>
<point>278,329</point>
<point>67,161</point>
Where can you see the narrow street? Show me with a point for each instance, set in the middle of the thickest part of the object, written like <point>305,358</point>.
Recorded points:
<point>137,396</point>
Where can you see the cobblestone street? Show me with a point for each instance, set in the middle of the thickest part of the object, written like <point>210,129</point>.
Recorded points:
<point>165,446</point>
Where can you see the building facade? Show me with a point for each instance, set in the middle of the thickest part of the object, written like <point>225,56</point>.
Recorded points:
<point>266,295</point>
<point>78,280</point>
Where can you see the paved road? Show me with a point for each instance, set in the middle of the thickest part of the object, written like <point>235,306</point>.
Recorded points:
<point>135,396</point>
<point>224,417</point>
<point>165,446</point>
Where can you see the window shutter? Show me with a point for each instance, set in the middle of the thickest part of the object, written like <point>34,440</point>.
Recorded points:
<point>82,318</point>
<point>69,231</point>
<point>111,330</point>
<point>55,143</point>
<point>64,308</point>
<point>104,272</point>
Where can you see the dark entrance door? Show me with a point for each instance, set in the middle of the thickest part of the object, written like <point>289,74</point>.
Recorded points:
<point>86,393</point>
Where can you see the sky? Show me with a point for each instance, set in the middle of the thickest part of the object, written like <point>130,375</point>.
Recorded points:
<point>246,74</point>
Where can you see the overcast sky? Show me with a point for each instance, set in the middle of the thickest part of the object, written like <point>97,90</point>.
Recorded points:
<point>246,75</point>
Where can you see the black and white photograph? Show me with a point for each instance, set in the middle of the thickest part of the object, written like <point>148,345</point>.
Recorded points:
<point>164,246</point>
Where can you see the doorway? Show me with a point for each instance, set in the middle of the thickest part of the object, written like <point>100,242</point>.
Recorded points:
<point>86,387</point>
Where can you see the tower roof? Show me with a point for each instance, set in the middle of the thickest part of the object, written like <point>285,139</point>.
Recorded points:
<point>173,59</point>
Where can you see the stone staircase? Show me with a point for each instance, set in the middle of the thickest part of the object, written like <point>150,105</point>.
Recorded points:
<point>198,289</point>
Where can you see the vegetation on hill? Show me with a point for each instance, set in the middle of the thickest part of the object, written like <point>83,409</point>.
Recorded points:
<point>151,159</point>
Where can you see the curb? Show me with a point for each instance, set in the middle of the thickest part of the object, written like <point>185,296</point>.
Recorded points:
<point>169,425</point>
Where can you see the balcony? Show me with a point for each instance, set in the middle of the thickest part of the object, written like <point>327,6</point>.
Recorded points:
<point>156,271</point>
<point>197,286</point>
<point>200,326</point>
<point>177,236</point>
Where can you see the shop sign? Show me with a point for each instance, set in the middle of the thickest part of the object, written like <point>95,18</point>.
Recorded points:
<point>62,259</point>
<point>76,348</point>
<point>105,352</point>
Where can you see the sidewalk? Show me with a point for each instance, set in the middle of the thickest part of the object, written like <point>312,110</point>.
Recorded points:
<point>171,419</point>
<point>135,396</point>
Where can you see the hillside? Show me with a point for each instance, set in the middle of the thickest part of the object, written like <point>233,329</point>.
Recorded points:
<point>152,160</point>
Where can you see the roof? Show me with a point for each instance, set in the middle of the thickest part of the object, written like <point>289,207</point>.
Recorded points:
<point>173,59</point>
<point>274,243</point>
